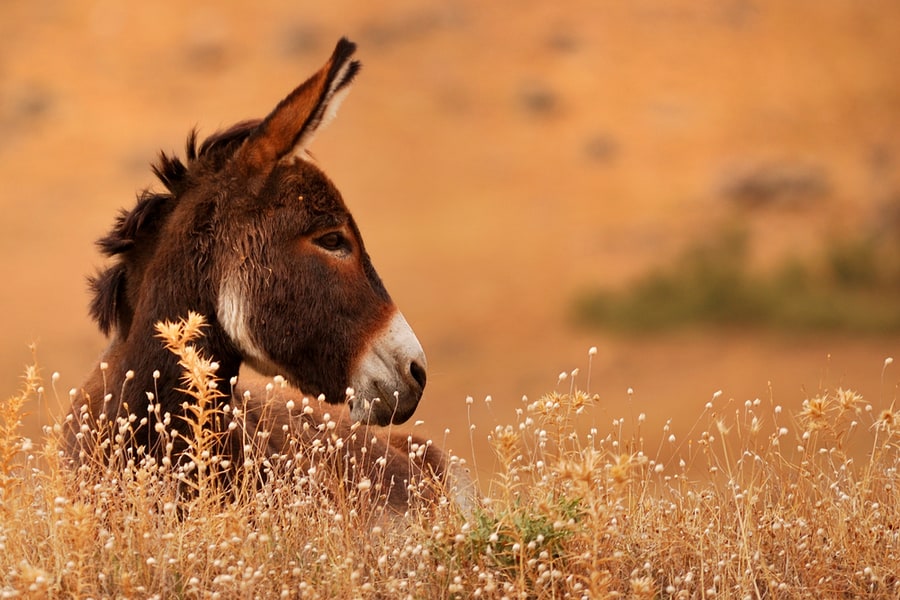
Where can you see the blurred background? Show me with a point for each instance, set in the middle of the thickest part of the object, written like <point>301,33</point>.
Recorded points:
<point>706,192</point>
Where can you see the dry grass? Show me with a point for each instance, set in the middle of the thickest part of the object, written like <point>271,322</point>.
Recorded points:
<point>762,504</point>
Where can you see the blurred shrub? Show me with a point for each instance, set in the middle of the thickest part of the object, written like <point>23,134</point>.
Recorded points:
<point>856,288</point>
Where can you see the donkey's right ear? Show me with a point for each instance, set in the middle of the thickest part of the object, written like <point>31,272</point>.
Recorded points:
<point>289,129</point>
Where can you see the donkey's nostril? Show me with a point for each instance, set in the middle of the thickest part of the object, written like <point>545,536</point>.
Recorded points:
<point>418,373</point>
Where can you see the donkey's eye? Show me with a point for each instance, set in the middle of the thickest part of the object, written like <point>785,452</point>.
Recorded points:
<point>333,241</point>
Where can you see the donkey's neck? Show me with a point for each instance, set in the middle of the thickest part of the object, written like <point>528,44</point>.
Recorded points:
<point>139,364</point>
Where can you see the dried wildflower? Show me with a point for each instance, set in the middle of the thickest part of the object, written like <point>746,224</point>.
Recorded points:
<point>849,401</point>
<point>581,400</point>
<point>505,441</point>
<point>815,412</point>
<point>582,469</point>
<point>546,405</point>
<point>642,587</point>
<point>620,469</point>
<point>887,421</point>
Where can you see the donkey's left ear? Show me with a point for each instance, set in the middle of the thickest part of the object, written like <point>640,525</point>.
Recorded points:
<point>289,129</point>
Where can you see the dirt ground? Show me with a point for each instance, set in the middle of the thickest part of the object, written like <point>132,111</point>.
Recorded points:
<point>499,158</point>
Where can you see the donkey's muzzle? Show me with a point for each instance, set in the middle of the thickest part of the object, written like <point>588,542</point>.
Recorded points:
<point>390,376</point>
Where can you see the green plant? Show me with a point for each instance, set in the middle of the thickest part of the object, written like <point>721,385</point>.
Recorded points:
<point>713,284</point>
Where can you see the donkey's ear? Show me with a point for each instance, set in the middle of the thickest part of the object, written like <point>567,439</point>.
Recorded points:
<point>291,126</point>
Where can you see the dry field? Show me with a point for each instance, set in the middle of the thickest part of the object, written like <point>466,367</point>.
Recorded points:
<point>757,502</point>
<point>499,159</point>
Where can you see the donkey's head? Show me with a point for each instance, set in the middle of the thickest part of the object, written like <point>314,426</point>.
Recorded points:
<point>255,236</point>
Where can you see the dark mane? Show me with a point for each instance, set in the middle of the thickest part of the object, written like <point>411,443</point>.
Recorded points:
<point>222,145</point>
<point>109,306</point>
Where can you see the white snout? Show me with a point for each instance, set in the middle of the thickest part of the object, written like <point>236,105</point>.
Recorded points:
<point>389,376</point>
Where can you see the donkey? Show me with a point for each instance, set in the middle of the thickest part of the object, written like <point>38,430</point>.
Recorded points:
<point>254,236</point>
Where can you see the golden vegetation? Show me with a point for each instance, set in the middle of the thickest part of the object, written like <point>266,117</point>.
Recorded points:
<point>760,504</point>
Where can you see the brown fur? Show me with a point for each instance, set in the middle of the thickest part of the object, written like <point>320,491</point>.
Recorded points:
<point>243,210</point>
<point>391,461</point>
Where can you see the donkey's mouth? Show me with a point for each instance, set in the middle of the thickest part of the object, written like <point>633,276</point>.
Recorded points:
<point>384,408</point>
